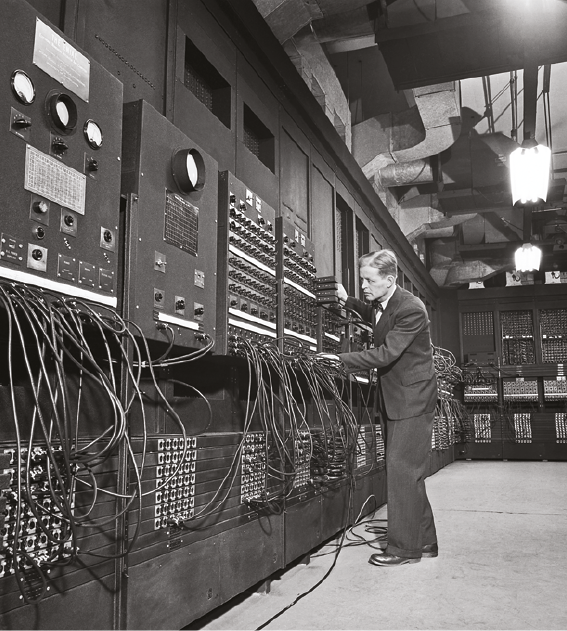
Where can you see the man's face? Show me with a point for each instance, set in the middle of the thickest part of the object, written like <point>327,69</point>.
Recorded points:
<point>374,285</point>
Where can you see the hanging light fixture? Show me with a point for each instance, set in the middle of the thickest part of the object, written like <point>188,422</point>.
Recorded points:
<point>529,172</point>
<point>528,258</point>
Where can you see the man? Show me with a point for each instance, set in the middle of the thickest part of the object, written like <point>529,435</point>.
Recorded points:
<point>403,357</point>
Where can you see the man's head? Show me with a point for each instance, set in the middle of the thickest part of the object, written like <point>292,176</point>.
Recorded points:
<point>378,273</point>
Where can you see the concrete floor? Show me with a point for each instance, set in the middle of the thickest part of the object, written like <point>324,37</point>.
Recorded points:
<point>502,529</point>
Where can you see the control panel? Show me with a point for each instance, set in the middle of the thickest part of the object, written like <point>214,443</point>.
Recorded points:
<point>553,327</point>
<point>247,296</point>
<point>171,185</point>
<point>518,344</point>
<point>60,184</point>
<point>295,254</point>
<point>331,318</point>
<point>520,389</point>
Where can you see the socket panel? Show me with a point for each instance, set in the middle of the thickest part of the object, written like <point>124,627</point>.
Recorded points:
<point>175,481</point>
<point>561,427</point>
<point>379,442</point>
<point>482,428</point>
<point>254,470</point>
<point>523,427</point>
<point>362,449</point>
<point>43,543</point>
<point>302,460</point>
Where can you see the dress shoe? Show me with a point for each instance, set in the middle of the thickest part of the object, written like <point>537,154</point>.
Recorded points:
<point>390,560</point>
<point>431,550</point>
<point>428,551</point>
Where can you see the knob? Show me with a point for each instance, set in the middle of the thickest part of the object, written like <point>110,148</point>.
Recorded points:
<point>59,145</point>
<point>41,206</point>
<point>158,296</point>
<point>40,233</point>
<point>22,122</point>
<point>92,164</point>
<point>199,311</point>
<point>180,305</point>
<point>69,220</point>
<point>37,254</point>
<point>107,236</point>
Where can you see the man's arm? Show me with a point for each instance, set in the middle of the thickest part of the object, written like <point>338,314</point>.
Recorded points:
<point>363,309</point>
<point>408,325</point>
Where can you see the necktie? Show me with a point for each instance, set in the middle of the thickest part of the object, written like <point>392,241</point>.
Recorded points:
<point>378,305</point>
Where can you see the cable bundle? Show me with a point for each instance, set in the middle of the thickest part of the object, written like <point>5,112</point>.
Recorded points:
<point>303,403</point>
<point>64,462</point>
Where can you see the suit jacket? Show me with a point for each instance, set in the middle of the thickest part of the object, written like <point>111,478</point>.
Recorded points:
<point>402,355</point>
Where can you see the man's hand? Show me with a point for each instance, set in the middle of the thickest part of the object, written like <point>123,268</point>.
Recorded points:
<point>342,294</point>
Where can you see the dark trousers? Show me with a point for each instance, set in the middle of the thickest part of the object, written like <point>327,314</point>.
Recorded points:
<point>410,518</point>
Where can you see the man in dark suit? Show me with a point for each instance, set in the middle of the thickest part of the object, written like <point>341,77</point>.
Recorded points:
<point>403,357</point>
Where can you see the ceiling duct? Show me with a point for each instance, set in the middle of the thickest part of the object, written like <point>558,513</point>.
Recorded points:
<point>439,109</point>
<point>288,17</point>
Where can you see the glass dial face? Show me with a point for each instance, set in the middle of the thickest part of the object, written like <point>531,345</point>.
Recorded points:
<point>188,169</point>
<point>93,134</point>
<point>62,113</point>
<point>192,170</point>
<point>23,87</point>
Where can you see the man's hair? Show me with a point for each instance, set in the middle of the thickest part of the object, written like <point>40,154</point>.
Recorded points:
<point>383,260</point>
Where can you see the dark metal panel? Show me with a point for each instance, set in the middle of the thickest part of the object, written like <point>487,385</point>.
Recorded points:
<point>197,23</point>
<point>159,267</point>
<point>335,513</point>
<point>323,221</point>
<point>86,607</point>
<point>170,591</point>
<point>52,10</point>
<point>129,38</point>
<point>302,528</point>
<point>194,119</point>
<point>362,500</point>
<point>253,93</point>
<point>190,114</point>
<point>250,553</point>
<point>258,176</point>
<point>294,181</point>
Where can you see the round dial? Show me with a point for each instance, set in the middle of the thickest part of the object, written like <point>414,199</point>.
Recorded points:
<point>188,169</point>
<point>93,134</point>
<point>23,87</point>
<point>62,112</point>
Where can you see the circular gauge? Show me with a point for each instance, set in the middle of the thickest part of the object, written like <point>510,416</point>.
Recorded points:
<point>93,134</point>
<point>62,112</point>
<point>23,87</point>
<point>188,169</point>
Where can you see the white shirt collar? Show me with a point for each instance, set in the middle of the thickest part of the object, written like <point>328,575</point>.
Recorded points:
<point>384,302</point>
